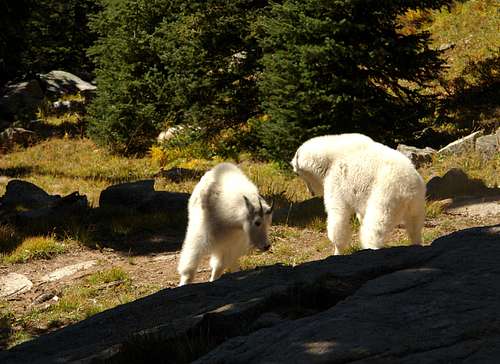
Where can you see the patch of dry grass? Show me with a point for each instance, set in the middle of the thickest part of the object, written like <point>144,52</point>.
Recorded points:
<point>35,247</point>
<point>97,292</point>
<point>472,28</point>
<point>471,163</point>
<point>61,166</point>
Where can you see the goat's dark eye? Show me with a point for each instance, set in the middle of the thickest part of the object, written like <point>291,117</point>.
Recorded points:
<point>257,223</point>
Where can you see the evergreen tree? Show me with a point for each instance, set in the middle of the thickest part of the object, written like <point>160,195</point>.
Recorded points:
<point>170,62</point>
<point>342,66</point>
<point>42,35</point>
<point>12,16</point>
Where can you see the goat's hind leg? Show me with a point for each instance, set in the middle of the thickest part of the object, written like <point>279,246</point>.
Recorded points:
<point>380,218</point>
<point>414,220</point>
<point>217,265</point>
<point>192,251</point>
<point>339,228</point>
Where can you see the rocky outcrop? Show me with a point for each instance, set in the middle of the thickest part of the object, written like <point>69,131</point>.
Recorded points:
<point>462,145</point>
<point>25,203</point>
<point>398,305</point>
<point>15,136</point>
<point>488,145</point>
<point>58,83</point>
<point>141,196</point>
<point>21,99</point>
<point>418,156</point>
<point>68,271</point>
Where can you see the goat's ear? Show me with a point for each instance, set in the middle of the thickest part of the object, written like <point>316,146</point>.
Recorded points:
<point>250,207</point>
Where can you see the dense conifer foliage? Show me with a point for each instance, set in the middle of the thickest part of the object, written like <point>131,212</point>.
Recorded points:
<point>342,66</point>
<point>42,35</point>
<point>310,67</point>
<point>169,62</point>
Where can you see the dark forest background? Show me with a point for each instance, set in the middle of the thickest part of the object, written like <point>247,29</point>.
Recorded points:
<point>260,76</point>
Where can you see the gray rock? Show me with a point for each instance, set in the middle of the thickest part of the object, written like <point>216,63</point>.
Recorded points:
<point>68,271</point>
<point>398,305</point>
<point>164,201</point>
<point>128,195</point>
<point>58,211</point>
<point>463,145</point>
<point>21,99</point>
<point>25,195</point>
<point>488,146</point>
<point>16,136</point>
<point>141,196</point>
<point>58,83</point>
<point>455,183</point>
<point>13,284</point>
<point>418,156</point>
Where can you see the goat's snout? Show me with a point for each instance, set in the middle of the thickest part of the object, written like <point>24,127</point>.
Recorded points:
<point>266,247</point>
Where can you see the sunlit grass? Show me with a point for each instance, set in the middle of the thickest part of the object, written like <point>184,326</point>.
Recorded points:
<point>472,163</point>
<point>472,27</point>
<point>62,166</point>
<point>37,247</point>
<point>99,291</point>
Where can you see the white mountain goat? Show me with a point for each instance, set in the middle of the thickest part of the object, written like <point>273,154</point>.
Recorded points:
<point>227,217</point>
<point>359,176</point>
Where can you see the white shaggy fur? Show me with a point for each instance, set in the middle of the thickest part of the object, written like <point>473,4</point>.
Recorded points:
<point>227,217</point>
<point>358,176</point>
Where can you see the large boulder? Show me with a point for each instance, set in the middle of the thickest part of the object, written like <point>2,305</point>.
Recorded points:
<point>141,196</point>
<point>58,211</point>
<point>58,83</point>
<point>418,156</point>
<point>21,99</point>
<point>300,213</point>
<point>488,146</point>
<point>25,204</point>
<point>25,195</point>
<point>462,145</point>
<point>399,305</point>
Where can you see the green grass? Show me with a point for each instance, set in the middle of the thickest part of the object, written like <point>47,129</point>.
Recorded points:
<point>473,27</point>
<point>467,89</point>
<point>63,165</point>
<point>471,163</point>
<point>98,292</point>
<point>37,247</point>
